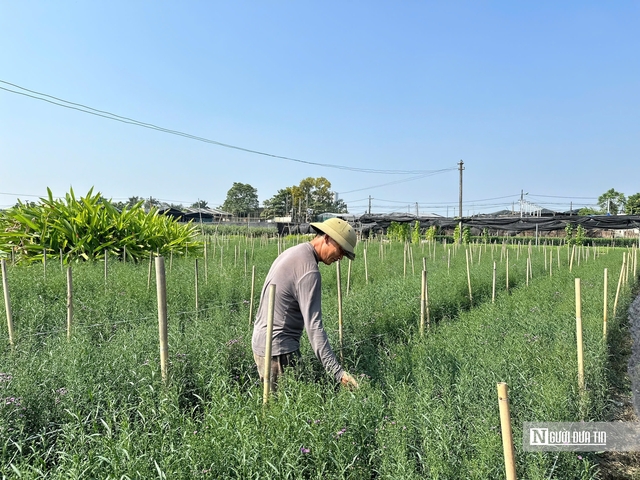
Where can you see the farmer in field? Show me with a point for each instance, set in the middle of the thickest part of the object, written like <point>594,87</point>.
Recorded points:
<point>298,303</point>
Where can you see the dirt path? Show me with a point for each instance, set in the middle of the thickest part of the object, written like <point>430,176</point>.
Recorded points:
<point>625,379</point>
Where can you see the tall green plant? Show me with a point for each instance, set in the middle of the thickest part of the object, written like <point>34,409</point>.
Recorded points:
<point>87,227</point>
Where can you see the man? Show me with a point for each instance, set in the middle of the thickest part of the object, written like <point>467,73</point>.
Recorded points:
<point>298,306</point>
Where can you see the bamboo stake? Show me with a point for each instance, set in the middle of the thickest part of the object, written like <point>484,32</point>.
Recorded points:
<point>404,261</point>
<point>527,272</point>
<point>493,284</point>
<point>149,274</point>
<point>349,277</point>
<point>44,263</point>
<point>422,302</point>
<point>366,270</point>
<point>69,302</point>
<point>61,262</point>
<point>615,303</point>
<point>7,301</point>
<point>573,249</point>
<point>469,278</point>
<point>340,330</point>
<point>161,289</point>
<point>413,270</point>
<point>448,261</point>
<point>507,435</point>
<point>604,323</point>
<point>579,336</point>
<point>253,285</point>
<point>206,265</point>
<point>106,263</point>
<point>267,350</point>
<point>195,286</point>
<point>551,263</point>
<point>507,261</point>
<point>426,297</point>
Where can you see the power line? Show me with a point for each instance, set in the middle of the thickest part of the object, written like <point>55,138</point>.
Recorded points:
<point>112,116</point>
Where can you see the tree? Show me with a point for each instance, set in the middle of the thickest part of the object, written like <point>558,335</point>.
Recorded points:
<point>633,205</point>
<point>242,199</point>
<point>590,211</point>
<point>280,205</point>
<point>150,203</point>
<point>314,196</point>
<point>200,204</point>
<point>612,202</point>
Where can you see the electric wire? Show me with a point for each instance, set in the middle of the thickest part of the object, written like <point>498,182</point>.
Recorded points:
<point>112,116</point>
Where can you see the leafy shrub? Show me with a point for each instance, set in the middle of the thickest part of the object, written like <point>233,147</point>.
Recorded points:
<point>88,227</point>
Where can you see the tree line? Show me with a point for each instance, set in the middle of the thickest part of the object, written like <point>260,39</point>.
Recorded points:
<point>614,203</point>
<point>302,202</point>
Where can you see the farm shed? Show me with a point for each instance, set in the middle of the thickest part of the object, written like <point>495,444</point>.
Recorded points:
<point>204,215</point>
<point>515,224</point>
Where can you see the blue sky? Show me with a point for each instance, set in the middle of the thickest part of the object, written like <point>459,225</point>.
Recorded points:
<point>540,97</point>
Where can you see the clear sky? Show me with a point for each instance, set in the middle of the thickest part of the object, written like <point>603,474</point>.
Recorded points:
<point>536,97</point>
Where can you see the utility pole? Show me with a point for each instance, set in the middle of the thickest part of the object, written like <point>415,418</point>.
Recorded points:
<point>417,209</point>
<point>461,168</point>
<point>369,204</point>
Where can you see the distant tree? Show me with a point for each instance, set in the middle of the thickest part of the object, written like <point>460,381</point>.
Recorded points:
<point>612,201</point>
<point>200,204</point>
<point>632,206</point>
<point>176,206</point>
<point>313,196</point>
<point>280,205</point>
<point>130,203</point>
<point>242,199</point>
<point>590,211</point>
<point>150,203</point>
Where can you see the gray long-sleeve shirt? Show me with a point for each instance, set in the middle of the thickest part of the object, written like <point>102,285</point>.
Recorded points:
<point>297,306</point>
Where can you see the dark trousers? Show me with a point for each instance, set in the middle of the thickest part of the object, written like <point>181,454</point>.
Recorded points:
<point>278,364</point>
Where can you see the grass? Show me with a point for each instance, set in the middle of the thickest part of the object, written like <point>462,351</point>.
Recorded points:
<point>95,407</point>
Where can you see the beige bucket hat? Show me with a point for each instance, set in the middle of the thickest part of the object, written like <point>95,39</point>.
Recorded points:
<point>341,232</point>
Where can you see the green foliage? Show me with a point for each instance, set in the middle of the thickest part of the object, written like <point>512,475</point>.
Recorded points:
<point>590,211</point>
<point>95,406</point>
<point>632,206</point>
<point>398,232</point>
<point>242,199</point>
<point>466,234</point>
<point>415,233</point>
<point>612,201</point>
<point>312,197</point>
<point>431,232</point>
<point>569,236</point>
<point>83,229</point>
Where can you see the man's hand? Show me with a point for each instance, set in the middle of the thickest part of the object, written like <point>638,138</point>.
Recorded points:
<point>347,380</point>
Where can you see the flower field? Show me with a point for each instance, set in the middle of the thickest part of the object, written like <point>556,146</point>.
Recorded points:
<point>95,406</point>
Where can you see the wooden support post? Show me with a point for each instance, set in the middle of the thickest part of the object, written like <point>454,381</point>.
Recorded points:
<point>267,350</point>
<point>469,278</point>
<point>579,336</point>
<point>348,277</point>
<point>507,435</point>
<point>7,301</point>
<point>615,302</point>
<point>69,302</point>
<point>493,284</point>
<point>605,300</point>
<point>149,273</point>
<point>161,288</point>
<point>253,285</point>
<point>422,301</point>
<point>366,269</point>
<point>340,330</point>
<point>195,287</point>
